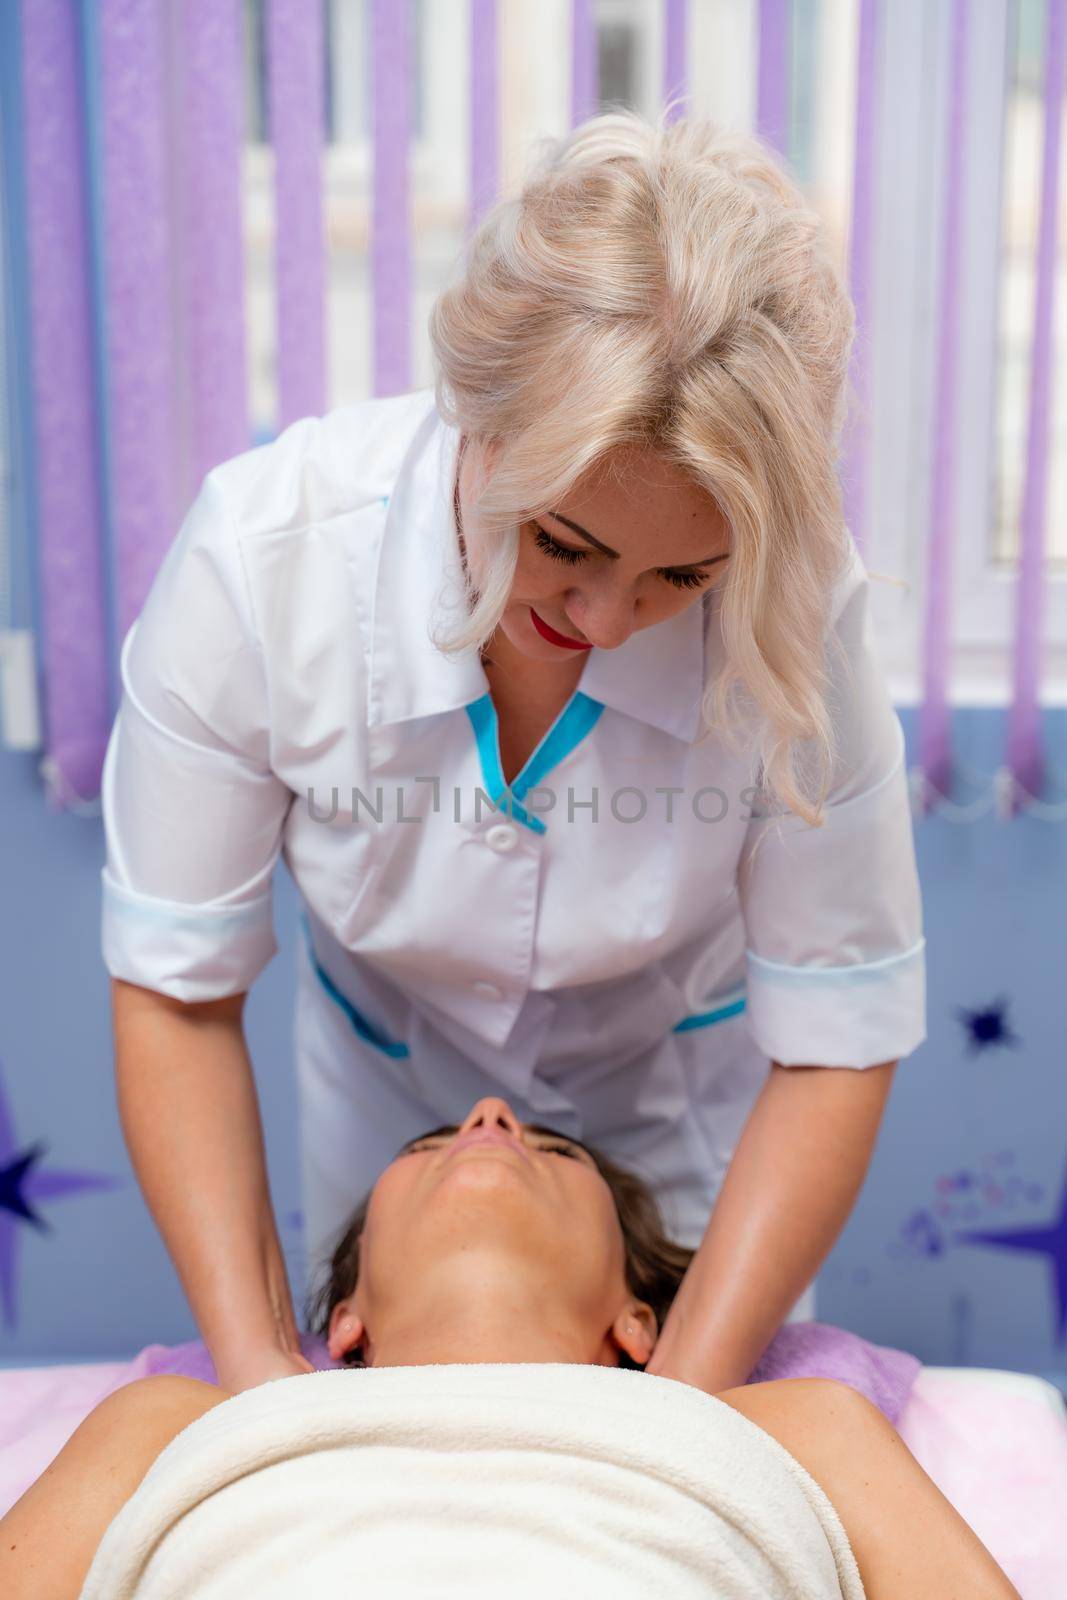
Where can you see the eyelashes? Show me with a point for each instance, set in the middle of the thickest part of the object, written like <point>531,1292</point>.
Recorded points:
<point>545,1144</point>
<point>685,580</point>
<point>545,542</point>
<point>564,1150</point>
<point>560,552</point>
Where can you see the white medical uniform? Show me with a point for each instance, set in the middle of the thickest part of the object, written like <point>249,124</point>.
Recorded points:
<point>615,956</point>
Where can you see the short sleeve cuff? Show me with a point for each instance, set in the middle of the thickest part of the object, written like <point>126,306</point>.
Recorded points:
<point>857,1016</point>
<point>190,952</point>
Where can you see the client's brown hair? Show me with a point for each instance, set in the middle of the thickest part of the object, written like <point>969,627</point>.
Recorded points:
<point>655,1264</point>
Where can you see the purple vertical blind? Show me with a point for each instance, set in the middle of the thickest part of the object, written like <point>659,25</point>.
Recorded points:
<point>69,524</point>
<point>138,246</point>
<point>860,265</point>
<point>391,73</point>
<point>935,752</point>
<point>212,238</point>
<point>675,22</point>
<point>484,110</point>
<point>1026,760</point>
<point>773,69</point>
<point>295,57</point>
<point>585,71</point>
<point>167,117</point>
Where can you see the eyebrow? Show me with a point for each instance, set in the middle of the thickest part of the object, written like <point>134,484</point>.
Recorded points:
<point>529,1127</point>
<point>608,551</point>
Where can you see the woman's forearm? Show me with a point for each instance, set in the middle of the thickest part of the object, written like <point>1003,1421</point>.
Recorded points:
<point>190,1115</point>
<point>799,1164</point>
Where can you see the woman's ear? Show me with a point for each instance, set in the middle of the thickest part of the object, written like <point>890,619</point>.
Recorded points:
<point>346,1330</point>
<point>635,1329</point>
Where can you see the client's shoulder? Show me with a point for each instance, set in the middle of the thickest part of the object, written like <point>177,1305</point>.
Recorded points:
<point>168,1392</point>
<point>800,1411</point>
<point>142,1416</point>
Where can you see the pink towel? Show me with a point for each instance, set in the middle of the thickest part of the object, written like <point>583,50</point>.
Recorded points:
<point>999,1455</point>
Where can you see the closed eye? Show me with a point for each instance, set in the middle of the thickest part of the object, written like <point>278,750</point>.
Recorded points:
<point>552,547</point>
<point>554,1146</point>
<point>689,579</point>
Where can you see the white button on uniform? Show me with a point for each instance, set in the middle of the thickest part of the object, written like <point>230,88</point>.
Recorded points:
<point>501,837</point>
<point>487,991</point>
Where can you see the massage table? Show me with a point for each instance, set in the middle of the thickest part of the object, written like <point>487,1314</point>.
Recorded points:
<point>994,1441</point>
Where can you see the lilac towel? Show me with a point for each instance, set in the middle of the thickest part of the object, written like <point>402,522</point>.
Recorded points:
<point>798,1350</point>
<point>819,1350</point>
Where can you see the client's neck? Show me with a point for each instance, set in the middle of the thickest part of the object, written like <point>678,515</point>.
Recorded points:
<point>486,1338</point>
<point>504,1325</point>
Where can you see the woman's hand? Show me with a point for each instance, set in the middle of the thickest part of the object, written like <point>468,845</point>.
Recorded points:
<point>261,1366</point>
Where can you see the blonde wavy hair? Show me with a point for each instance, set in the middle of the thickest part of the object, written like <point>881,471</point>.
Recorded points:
<point>665,285</point>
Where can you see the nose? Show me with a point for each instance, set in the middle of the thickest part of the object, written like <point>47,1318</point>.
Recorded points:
<point>492,1112</point>
<point>606,620</point>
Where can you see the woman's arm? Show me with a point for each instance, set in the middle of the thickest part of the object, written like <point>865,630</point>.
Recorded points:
<point>799,1164</point>
<point>190,1115</point>
<point>908,1540</point>
<point>49,1537</point>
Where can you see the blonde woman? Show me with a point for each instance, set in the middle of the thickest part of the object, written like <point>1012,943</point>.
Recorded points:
<point>488,1291</point>
<point>553,687</point>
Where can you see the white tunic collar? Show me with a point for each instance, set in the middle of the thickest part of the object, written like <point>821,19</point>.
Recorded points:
<point>657,676</point>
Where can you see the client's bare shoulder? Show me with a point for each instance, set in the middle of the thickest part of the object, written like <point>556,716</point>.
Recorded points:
<point>49,1537</point>
<point>908,1539</point>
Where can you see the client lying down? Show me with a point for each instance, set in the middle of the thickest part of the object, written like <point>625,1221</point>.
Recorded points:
<point>491,1433</point>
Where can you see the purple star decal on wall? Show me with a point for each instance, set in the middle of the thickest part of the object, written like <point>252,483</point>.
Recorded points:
<point>988,1027</point>
<point>23,1181</point>
<point>1050,1241</point>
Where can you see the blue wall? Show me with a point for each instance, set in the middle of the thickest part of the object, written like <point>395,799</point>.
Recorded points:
<point>99,1284</point>
<point>974,1139</point>
<point>975,1134</point>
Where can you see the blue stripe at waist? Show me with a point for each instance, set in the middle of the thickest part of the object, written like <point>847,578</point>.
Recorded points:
<point>704,1019</point>
<point>365,1028</point>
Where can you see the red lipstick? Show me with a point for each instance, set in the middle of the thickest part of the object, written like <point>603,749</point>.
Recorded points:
<point>556,638</point>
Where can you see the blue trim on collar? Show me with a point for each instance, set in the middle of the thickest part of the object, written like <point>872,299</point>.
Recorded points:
<point>482,713</point>
<point>575,721</point>
<point>578,717</point>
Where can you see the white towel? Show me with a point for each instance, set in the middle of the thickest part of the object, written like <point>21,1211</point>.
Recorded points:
<point>507,1480</point>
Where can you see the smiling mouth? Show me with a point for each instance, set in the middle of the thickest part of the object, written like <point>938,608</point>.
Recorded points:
<point>553,637</point>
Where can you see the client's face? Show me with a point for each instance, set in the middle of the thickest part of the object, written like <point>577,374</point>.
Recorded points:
<point>493,1242</point>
